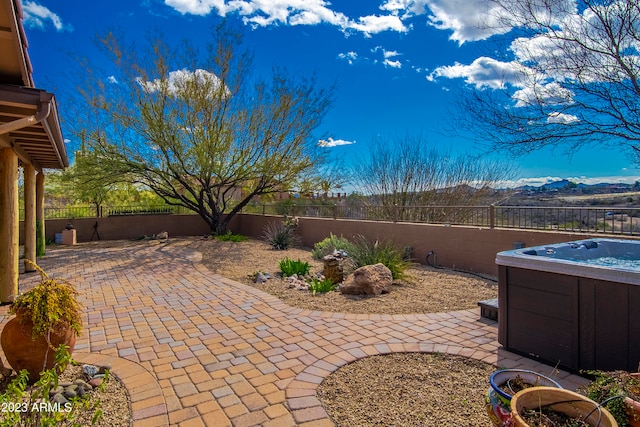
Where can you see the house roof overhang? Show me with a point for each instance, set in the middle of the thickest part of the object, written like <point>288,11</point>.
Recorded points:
<point>29,124</point>
<point>29,121</point>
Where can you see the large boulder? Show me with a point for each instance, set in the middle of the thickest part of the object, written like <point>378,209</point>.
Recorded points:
<point>368,280</point>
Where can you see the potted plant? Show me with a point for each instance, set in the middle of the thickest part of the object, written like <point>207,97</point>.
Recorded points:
<point>556,407</point>
<point>619,392</point>
<point>47,316</point>
<point>504,384</point>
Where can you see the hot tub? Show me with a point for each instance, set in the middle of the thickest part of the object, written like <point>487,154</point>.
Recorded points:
<point>574,304</point>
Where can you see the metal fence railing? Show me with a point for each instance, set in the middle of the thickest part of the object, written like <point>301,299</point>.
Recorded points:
<point>624,221</point>
<point>104,211</point>
<point>574,219</point>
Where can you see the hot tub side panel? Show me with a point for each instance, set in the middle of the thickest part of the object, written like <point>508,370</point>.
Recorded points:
<point>609,325</point>
<point>539,316</point>
<point>577,322</point>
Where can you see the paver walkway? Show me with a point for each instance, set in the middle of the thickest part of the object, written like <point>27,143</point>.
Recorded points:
<point>196,349</point>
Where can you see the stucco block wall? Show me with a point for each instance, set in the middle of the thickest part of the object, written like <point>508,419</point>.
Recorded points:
<point>465,248</point>
<point>129,227</point>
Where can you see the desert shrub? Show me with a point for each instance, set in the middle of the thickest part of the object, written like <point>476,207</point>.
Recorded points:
<point>316,285</point>
<point>280,235</point>
<point>289,267</point>
<point>230,237</point>
<point>330,244</point>
<point>364,253</point>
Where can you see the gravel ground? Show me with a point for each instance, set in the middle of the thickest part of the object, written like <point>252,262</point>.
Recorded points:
<point>425,289</point>
<point>386,390</point>
<point>408,389</point>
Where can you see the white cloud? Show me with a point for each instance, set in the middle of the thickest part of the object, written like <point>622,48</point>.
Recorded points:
<point>483,72</point>
<point>37,16</point>
<point>544,94</point>
<point>538,181</point>
<point>405,8</point>
<point>350,57</point>
<point>392,64</point>
<point>561,118</point>
<point>375,24</point>
<point>330,142</point>
<point>112,79</point>
<point>261,13</point>
<point>468,20</point>
<point>177,82</point>
<point>390,53</point>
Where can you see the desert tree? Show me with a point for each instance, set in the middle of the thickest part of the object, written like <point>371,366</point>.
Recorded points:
<point>194,125</point>
<point>408,172</point>
<point>568,76</point>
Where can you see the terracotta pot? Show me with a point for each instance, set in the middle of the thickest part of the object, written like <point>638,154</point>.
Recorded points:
<point>23,352</point>
<point>564,401</point>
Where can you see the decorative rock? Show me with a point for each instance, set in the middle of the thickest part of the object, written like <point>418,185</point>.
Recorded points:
<point>260,278</point>
<point>81,383</point>
<point>90,370</point>
<point>163,235</point>
<point>59,398</point>
<point>368,280</point>
<point>95,382</point>
<point>69,394</point>
<point>64,384</point>
<point>56,390</point>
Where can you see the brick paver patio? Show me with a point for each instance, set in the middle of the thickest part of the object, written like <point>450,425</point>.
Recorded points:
<point>196,349</point>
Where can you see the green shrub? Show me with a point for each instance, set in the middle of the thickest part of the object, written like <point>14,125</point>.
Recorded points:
<point>364,253</point>
<point>330,244</point>
<point>610,388</point>
<point>289,267</point>
<point>230,237</point>
<point>280,235</point>
<point>316,285</point>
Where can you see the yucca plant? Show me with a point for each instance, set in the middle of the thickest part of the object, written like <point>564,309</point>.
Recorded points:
<point>280,235</point>
<point>365,252</point>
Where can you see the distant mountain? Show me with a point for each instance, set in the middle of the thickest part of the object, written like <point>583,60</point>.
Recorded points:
<point>565,184</point>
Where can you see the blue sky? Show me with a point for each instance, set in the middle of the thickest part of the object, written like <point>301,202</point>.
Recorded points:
<point>394,63</point>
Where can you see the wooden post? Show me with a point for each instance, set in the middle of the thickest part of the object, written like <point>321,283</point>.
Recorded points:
<point>29,217</point>
<point>40,214</point>
<point>9,223</point>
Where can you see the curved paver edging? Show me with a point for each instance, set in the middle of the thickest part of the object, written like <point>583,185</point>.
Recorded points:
<point>301,393</point>
<point>148,407</point>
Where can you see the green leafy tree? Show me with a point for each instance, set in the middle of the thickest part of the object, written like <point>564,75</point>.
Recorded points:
<point>196,129</point>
